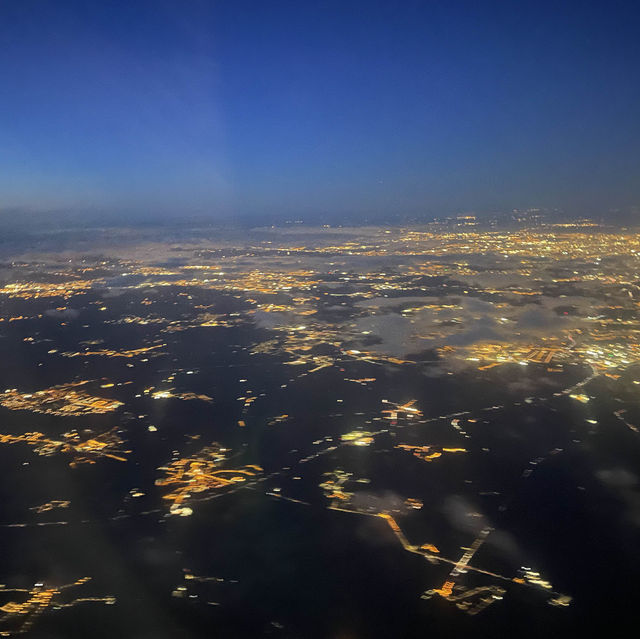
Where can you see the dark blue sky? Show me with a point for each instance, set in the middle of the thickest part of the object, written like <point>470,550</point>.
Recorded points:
<point>266,107</point>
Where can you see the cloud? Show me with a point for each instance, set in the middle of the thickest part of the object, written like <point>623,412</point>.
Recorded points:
<point>463,321</point>
<point>66,313</point>
<point>617,478</point>
<point>625,484</point>
<point>483,329</point>
<point>461,515</point>
<point>387,501</point>
<point>537,317</point>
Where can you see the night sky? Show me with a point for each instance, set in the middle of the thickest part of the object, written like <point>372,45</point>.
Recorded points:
<point>238,108</point>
